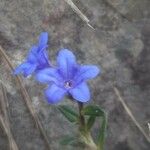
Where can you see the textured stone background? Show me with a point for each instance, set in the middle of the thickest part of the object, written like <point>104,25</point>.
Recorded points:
<point>120,45</point>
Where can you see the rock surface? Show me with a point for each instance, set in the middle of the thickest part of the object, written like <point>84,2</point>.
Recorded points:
<point>119,45</point>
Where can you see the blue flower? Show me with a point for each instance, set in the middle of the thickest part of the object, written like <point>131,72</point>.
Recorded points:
<point>37,57</point>
<point>67,78</point>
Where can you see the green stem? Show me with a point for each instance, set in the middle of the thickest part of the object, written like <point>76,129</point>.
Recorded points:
<point>85,135</point>
<point>81,117</point>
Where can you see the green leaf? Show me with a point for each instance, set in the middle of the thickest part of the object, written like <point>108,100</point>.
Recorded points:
<point>90,122</point>
<point>92,110</point>
<point>67,140</point>
<point>72,141</point>
<point>68,112</point>
<point>78,144</point>
<point>102,132</point>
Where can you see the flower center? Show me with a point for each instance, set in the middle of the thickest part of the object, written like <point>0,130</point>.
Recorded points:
<point>68,84</point>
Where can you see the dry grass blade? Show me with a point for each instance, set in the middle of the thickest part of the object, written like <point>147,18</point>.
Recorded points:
<point>79,13</point>
<point>130,113</point>
<point>4,119</point>
<point>106,2</point>
<point>27,99</point>
<point>148,128</point>
<point>12,143</point>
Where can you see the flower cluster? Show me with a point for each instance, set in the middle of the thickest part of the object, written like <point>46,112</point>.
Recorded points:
<point>66,78</point>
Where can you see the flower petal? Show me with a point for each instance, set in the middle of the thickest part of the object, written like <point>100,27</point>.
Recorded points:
<point>42,58</point>
<point>25,68</point>
<point>43,39</point>
<point>30,70</point>
<point>54,94</point>
<point>81,92</point>
<point>66,62</point>
<point>86,72</point>
<point>32,54</point>
<point>48,75</point>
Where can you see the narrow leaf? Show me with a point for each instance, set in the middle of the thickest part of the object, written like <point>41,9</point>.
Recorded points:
<point>67,140</point>
<point>72,141</point>
<point>102,132</point>
<point>68,112</point>
<point>92,110</point>
<point>90,122</point>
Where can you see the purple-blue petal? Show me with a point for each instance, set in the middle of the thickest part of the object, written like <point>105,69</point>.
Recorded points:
<point>32,55</point>
<point>66,62</point>
<point>43,39</point>
<point>25,68</point>
<point>30,70</point>
<point>86,72</point>
<point>81,92</point>
<point>48,75</point>
<point>21,68</point>
<point>42,58</point>
<point>54,94</point>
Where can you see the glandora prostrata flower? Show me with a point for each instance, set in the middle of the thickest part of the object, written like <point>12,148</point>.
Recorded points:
<point>36,59</point>
<point>68,77</point>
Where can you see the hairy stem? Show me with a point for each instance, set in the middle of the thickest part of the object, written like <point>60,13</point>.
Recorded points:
<point>85,135</point>
<point>81,117</point>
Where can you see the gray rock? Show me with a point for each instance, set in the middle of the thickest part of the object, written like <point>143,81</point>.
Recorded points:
<point>119,45</point>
